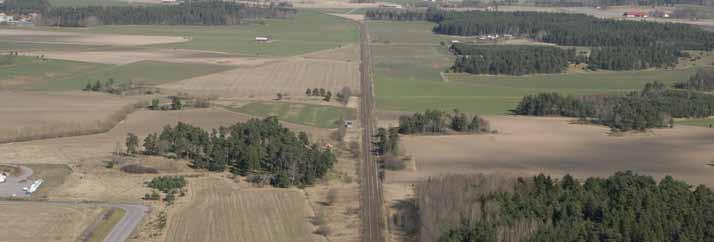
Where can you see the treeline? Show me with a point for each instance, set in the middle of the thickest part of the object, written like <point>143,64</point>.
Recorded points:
<point>511,59</point>
<point>262,148</point>
<point>396,14</point>
<point>572,29</point>
<point>703,80</point>
<point>436,121</point>
<point>24,6</point>
<point>654,106</point>
<point>632,58</point>
<point>623,207</point>
<point>211,12</point>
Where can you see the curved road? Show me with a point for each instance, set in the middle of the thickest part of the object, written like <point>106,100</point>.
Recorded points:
<point>121,231</point>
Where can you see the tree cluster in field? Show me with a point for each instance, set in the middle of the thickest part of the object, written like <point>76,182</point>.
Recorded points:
<point>654,106</point>
<point>622,207</point>
<point>511,59</point>
<point>119,88</point>
<point>8,59</point>
<point>256,147</point>
<point>436,121</point>
<point>321,92</point>
<point>211,12</point>
<point>169,185</point>
<point>703,80</point>
<point>387,141</point>
<point>396,14</point>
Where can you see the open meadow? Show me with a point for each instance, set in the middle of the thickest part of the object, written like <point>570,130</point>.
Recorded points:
<point>215,210</point>
<point>555,146</point>
<point>307,114</point>
<point>409,66</point>
<point>37,222</point>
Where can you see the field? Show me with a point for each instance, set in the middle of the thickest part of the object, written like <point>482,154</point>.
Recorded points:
<point>705,122</point>
<point>27,115</point>
<point>306,114</point>
<point>24,74</point>
<point>562,147</point>
<point>218,212</point>
<point>292,36</point>
<point>36,222</point>
<point>409,58</point>
<point>291,76</point>
<point>75,3</point>
<point>53,36</point>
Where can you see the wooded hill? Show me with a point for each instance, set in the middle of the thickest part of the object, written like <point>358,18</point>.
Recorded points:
<point>260,148</point>
<point>623,207</point>
<point>211,12</point>
<point>652,107</point>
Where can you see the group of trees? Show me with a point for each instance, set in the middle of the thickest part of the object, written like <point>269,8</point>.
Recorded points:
<point>511,60</point>
<point>436,121</point>
<point>632,58</point>
<point>623,207</point>
<point>211,12</point>
<point>654,106</point>
<point>387,141</point>
<point>321,92</point>
<point>24,6</point>
<point>702,80</point>
<point>8,59</point>
<point>112,86</point>
<point>256,147</point>
<point>169,185</point>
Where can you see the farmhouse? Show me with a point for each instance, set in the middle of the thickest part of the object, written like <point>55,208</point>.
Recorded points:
<point>6,18</point>
<point>635,14</point>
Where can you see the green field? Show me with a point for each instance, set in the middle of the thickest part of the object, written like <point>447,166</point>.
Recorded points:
<point>79,3</point>
<point>407,76</point>
<point>30,71</point>
<point>705,122</point>
<point>143,72</point>
<point>306,32</point>
<point>307,114</point>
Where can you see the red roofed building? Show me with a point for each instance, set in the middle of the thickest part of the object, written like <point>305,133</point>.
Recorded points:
<point>635,14</point>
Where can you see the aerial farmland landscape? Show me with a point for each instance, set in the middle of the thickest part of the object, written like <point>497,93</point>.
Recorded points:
<point>356,120</point>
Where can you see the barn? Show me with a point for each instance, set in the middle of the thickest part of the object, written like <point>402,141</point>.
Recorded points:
<point>635,14</point>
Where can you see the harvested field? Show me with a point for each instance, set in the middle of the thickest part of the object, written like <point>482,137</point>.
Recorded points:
<point>217,211</point>
<point>291,76</point>
<point>37,222</point>
<point>127,56</point>
<point>100,146</point>
<point>51,37</point>
<point>349,53</point>
<point>45,115</point>
<point>527,146</point>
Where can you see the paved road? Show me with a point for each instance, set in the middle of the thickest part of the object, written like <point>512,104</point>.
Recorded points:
<point>371,188</point>
<point>121,231</point>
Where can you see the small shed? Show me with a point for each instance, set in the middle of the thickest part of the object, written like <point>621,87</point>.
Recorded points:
<point>263,39</point>
<point>635,14</point>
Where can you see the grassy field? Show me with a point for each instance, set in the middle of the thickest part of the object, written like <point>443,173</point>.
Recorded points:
<point>143,72</point>
<point>75,3</point>
<point>704,122</point>
<point>44,222</point>
<point>306,32</point>
<point>408,60</point>
<point>311,115</point>
<point>106,225</point>
<point>29,71</point>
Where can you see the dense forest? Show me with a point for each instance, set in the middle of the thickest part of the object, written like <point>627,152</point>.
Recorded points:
<point>257,147</point>
<point>511,59</point>
<point>622,207</point>
<point>211,12</point>
<point>24,6</point>
<point>436,121</point>
<point>632,58</point>
<point>703,80</point>
<point>588,3</point>
<point>652,107</point>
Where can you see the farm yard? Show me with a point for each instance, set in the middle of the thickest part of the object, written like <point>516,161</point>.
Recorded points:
<point>562,148</point>
<point>218,211</point>
<point>36,222</point>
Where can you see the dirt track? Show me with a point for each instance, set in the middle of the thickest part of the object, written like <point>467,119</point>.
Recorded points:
<point>527,146</point>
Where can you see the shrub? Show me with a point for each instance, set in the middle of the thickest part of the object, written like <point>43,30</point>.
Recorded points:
<point>139,169</point>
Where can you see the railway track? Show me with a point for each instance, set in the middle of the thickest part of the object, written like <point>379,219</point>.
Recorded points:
<point>371,188</point>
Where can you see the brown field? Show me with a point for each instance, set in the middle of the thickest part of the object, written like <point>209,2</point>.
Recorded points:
<point>71,150</point>
<point>215,210</point>
<point>527,146</point>
<point>49,37</point>
<point>41,115</point>
<point>36,222</point>
<point>121,57</point>
<point>290,76</point>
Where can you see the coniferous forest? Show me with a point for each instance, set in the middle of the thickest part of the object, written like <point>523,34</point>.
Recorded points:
<point>510,59</point>
<point>197,13</point>
<point>623,207</point>
<point>652,107</point>
<point>262,147</point>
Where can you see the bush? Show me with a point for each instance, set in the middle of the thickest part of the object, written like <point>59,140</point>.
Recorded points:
<point>139,169</point>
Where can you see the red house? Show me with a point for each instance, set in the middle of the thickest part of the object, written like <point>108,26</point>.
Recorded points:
<point>635,14</point>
